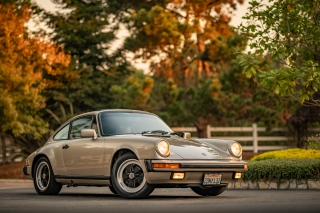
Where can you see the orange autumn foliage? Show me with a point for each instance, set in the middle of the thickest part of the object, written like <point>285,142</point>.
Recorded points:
<point>26,65</point>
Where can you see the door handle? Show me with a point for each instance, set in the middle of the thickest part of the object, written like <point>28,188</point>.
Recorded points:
<point>65,146</point>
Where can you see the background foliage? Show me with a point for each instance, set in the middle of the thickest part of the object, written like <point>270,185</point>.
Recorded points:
<point>75,64</point>
<point>284,165</point>
<point>86,31</point>
<point>28,66</point>
<point>283,169</point>
<point>289,153</point>
<point>287,33</point>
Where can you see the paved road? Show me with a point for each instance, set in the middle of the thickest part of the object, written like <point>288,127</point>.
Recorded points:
<point>94,199</point>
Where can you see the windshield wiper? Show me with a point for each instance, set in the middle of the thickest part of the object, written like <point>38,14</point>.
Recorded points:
<point>155,131</point>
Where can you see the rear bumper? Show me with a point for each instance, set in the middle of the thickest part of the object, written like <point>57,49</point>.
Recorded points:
<point>27,171</point>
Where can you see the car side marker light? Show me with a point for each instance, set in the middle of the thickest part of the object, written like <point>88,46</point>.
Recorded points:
<point>165,165</point>
<point>245,166</point>
<point>178,175</point>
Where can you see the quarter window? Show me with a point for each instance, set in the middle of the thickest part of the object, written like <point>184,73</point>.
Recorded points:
<point>63,133</point>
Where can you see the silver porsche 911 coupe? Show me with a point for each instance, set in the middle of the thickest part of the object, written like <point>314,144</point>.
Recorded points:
<point>132,152</point>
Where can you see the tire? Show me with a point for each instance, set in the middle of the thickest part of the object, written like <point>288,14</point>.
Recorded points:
<point>43,178</point>
<point>113,190</point>
<point>210,191</point>
<point>128,178</point>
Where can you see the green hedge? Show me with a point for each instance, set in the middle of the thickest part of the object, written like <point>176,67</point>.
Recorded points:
<point>289,154</point>
<point>283,169</point>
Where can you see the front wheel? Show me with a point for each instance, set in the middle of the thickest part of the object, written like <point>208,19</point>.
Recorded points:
<point>128,178</point>
<point>212,191</point>
<point>113,190</point>
<point>43,178</point>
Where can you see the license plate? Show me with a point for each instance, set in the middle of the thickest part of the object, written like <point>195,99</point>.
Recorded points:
<point>212,179</point>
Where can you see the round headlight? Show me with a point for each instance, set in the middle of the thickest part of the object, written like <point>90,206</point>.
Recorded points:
<point>163,148</point>
<point>236,149</point>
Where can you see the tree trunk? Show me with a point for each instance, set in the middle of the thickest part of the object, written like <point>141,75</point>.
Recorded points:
<point>299,133</point>
<point>299,129</point>
<point>3,147</point>
<point>202,127</point>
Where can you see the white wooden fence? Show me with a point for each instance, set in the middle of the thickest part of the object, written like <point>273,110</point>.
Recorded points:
<point>255,138</point>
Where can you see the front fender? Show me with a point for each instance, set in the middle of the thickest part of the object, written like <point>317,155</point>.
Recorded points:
<point>143,147</point>
<point>53,152</point>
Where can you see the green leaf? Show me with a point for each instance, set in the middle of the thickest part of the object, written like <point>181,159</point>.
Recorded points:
<point>277,89</point>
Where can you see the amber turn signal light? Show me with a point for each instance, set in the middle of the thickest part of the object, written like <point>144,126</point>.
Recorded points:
<point>245,166</point>
<point>165,165</point>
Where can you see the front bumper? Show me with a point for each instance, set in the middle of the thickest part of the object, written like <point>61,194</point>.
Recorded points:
<point>27,171</point>
<point>194,171</point>
<point>199,165</point>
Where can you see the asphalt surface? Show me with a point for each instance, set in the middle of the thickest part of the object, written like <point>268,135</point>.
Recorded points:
<point>100,199</point>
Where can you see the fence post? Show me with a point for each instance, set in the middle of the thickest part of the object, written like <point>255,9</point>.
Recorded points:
<point>209,131</point>
<point>255,137</point>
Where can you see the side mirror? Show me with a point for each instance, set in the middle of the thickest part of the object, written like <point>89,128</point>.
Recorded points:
<point>88,133</point>
<point>186,135</point>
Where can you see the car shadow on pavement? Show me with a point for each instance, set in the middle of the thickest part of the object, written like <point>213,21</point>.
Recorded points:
<point>104,193</point>
<point>104,196</point>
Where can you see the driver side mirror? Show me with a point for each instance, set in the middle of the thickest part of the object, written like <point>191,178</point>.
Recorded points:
<point>88,133</point>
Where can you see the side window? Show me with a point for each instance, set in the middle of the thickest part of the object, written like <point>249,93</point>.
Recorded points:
<point>79,124</point>
<point>62,134</point>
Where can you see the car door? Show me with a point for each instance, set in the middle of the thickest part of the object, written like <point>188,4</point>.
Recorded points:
<point>83,157</point>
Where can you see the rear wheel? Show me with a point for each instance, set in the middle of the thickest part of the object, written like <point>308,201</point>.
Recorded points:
<point>43,178</point>
<point>128,178</point>
<point>210,191</point>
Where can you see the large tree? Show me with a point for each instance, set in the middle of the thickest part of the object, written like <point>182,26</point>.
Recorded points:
<point>86,31</point>
<point>175,34</point>
<point>303,118</point>
<point>185,41</point>
<point>134,92</point>
<point>287,33</point>
<point>24,62</point>
<point>237,102</point>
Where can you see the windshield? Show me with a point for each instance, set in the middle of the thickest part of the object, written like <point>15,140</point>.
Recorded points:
<point>117,123</point>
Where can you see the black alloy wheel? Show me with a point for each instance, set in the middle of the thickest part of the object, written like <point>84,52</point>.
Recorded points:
<point>128,178</point>
<point>43,178</point>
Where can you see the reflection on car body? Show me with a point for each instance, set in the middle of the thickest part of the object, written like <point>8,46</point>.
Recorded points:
<point>132,152</point>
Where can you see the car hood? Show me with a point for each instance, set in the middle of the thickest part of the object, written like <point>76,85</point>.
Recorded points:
<point>200,148</point>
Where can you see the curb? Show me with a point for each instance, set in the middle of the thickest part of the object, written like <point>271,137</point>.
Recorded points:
<point>292,184</point>
<point>15,183</point>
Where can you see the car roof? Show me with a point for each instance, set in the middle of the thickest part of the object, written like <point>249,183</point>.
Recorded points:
<point>113,110</point>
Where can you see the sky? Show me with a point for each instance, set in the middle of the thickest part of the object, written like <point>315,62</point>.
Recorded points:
<point>235,21</point>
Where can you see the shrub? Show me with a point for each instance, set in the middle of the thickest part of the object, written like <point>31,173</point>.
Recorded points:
<point>313,144</point>
<point>283,169</point>
<point>295,153</point>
